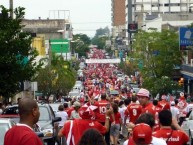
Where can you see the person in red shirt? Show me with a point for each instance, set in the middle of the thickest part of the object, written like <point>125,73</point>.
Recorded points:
<point>100,114</point>
<point>171,136</point>
<point>74,129</point>
<point>133,110</point>
<point>144,99</point>
<point>114,130</point>
<point>164,103</point>
<point>22,133</point>
<point>157,109</point>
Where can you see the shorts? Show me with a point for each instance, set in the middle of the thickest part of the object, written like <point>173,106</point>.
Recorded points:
<point>114,130</point>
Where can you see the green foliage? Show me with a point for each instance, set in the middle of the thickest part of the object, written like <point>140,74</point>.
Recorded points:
<point>163,85</point>
<point>16,55</point>
<point>100,37</point>
<point>80,44</point>
<point>82,37</point>
<point>159,53</point>
<point>57,78</point>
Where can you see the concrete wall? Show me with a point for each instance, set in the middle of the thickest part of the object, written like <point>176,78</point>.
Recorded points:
<point>47,28</point>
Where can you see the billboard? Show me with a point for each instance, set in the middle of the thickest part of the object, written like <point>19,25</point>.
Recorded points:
<point>186,38</point>
<point>60,45</point>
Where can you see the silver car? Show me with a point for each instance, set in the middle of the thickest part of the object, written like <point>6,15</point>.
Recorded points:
<point>5,125</point>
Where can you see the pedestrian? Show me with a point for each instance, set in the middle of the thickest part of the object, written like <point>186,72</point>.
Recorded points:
<point>171,136</point>
<point>146,119</point>
<point>75,113</point>
<point>114,129</point>
<point>92,137</point>
<point>133,110</point>
<point>22,133</point>
<point>175,111</point>
<point>74,129</point>
<point>164,103</point>
<point>144,99</point>
<point>64,116</point>
<point>100,114</point>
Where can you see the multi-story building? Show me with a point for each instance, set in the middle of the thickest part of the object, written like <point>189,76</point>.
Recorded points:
<point>118,23</point>
<point>159,14</point>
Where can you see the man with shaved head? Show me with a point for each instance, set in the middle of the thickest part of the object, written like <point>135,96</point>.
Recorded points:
<point>22,133</point>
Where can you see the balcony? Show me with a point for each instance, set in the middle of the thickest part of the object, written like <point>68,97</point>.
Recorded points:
<point>187,68</point>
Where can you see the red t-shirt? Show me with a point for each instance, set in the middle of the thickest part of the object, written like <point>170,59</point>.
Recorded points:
<point>21,135</point>
<point>117,118</point>
<point>69,110</point>
<point>101,110</point>
<point>165,105</point>
<point>157,124</point>
<point>177,137</point>
<point>79,127</point>
<point>149,108</point>
<point>134,111</point>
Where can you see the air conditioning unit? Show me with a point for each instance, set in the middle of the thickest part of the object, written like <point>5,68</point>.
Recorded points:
<point>191,62</point>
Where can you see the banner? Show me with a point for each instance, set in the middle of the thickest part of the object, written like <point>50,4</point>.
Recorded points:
<point>102,60</point>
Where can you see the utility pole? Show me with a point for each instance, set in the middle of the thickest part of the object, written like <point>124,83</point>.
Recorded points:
<point>129,13</point>
<point>11,8</point>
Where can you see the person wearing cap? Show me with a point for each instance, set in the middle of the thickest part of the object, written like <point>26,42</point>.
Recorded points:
<point>176,136</point>
<point>174,110</point>
<point>182,105</point>
<point>142,132</point>
<point>75,113</point>
<point>164,103</point>
<point>144,99</point>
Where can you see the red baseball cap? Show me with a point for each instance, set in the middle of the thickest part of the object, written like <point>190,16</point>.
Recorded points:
<point>142,134</point>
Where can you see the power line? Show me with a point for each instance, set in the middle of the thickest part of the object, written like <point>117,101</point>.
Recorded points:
<point>90,22</point>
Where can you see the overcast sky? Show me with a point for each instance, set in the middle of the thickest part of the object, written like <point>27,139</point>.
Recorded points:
<point>86,15</point>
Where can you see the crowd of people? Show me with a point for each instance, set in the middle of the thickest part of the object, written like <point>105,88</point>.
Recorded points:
<point>98,117</point>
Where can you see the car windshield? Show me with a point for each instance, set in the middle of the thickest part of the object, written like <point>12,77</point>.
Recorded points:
<point>4,127</point>
<point>44,114</point>
<point>11,111</point>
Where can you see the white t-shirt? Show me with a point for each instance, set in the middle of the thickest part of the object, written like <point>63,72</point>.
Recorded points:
<point>175,112</point>
<point>155,141</point>
<point>189,107</point>
<point>64,117</point>
<point>122,112</point>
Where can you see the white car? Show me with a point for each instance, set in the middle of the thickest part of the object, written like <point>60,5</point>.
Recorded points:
<point>187,126</point>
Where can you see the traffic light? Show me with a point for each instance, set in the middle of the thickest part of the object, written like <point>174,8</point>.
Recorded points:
<point>181,81</point>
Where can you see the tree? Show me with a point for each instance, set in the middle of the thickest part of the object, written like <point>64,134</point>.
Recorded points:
<point>80,44</point>
<point>158,53</point>
<point>57,78</point>
<point>100,37</point>
<point>16,55</point>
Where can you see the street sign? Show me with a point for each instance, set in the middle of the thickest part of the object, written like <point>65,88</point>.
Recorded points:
<point>186,38</point>
<point>60,45</point>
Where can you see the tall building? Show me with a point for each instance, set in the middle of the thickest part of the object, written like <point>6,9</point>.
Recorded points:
<point>118,23</point>
<point>159,14</point>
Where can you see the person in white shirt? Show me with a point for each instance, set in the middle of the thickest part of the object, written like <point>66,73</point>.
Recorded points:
<point>148,119</point>
<point>174,110</point>
<point>122,109</point>
<point>64,117</point>
<point>190,106</point>
<point>61,113</point>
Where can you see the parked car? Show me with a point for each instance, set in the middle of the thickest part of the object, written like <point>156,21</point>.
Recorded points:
<point>46,121</point>
<point>5,125</point>
<point>187,126</point>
